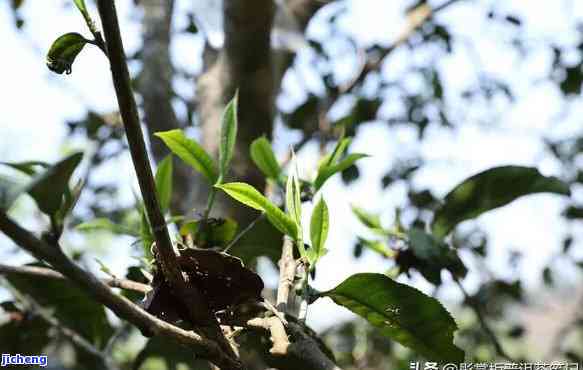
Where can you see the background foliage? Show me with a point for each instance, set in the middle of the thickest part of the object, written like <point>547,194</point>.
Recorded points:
<point>421,89</point>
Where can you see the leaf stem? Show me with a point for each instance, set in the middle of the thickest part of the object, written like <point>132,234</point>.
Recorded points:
<point>98,39</point>
<point>209,204</point>
<point>244,231</point>
<point>98,42</point>
<point>43,273</point>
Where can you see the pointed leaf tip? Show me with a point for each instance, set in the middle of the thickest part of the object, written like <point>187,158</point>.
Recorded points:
<point>228,137</point>
<point>319,226</point>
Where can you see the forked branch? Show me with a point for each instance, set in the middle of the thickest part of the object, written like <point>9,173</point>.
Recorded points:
<point>120,305</point>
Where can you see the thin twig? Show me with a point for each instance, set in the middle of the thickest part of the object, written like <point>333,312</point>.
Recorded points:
<point>210,203</point>
<point>47,273</point>
<point>280,342</point>
<point>302,346</point>
<point>193,299</point>
<point>119,304</point>
<point>485,327</point>
<point>271,308</point>
<point>244,231</point>
<point>417,17</point>
<point>204,222</point>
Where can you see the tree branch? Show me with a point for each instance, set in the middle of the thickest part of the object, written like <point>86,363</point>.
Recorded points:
<point>279,340</point>
<point>194,301</point>
<point>47,273</point>
<point>307,349</point>
<point>287,273</point>
<point>416,17</point>
<point>302,351</point>
<point>120,305</point>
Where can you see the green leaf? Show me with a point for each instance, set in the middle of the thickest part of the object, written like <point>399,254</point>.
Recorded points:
<point>105,224</point>
<point>333,158</point>
<point>372,221</point>
<point>402,313</point>
<point>29,335</point>
<point>264,240</point>
<point>228,137</point>
<point>81,6</point>
<point>164,183</point>
<point>190,152</point>
<point>10,190</point>
<point>72,306</point>
<point>319,226</point>
<point>491,189</point>
<point>264,158</point>
<point>339,150</point>
<point>27,167</point>
<point>430,256</point>
<point>294,204</point>
<point>293,201</point>
<point>146,235</point>
<point>48,187</point>
<point>249,196</point>
<point>70,201</point>
<point>377,246</point>
<point>325,172</point>
<point>63,52</point>
<point>103,267</point>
